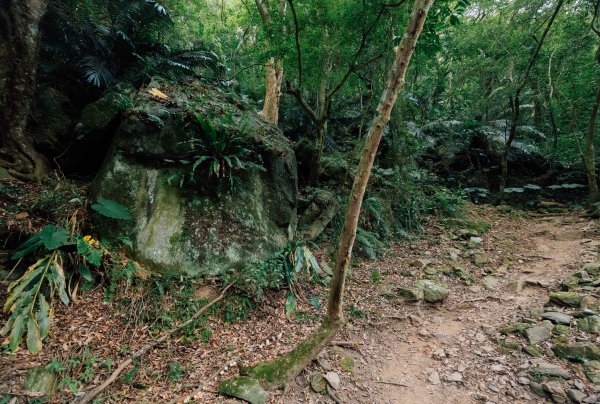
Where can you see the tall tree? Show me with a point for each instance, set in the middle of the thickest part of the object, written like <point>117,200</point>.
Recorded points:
<point>283,369</point>
<point>273,69</point>
<point>515,100</point>
<point>328,85</point>
<point>589,158</point>
<point>20,43</point>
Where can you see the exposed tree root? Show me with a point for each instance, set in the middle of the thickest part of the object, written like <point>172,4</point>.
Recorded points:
<point>278,372</point>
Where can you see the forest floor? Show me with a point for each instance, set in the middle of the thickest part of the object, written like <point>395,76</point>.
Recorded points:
<point>391,351</point>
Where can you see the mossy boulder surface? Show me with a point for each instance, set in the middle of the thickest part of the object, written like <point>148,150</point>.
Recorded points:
<point>40,380</point>
<point>197,223</point>
<point>578,351</point>
<point>571,299</point>
<point>245,388</point>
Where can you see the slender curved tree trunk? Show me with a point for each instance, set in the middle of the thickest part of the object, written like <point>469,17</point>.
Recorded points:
<point>281,370</point>
<point>17,151</point>
<point>516,100</point>
<point>589,159</point>
<point>395,85</point>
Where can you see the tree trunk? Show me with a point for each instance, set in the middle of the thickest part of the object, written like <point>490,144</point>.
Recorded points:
<point>394,86</point>
<point>516,102</point>
<point>589,157</point>
<point>283,369</point>
<point>273,80</point>
<point>323,103</point>
<point>315,163</point>
<point>17,151</point>
<point>273,71</point>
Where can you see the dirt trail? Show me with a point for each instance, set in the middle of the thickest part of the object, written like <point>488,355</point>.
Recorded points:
<point>446,353</point>
<point>391,351</point>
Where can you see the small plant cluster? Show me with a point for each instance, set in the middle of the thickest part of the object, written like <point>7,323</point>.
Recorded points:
<point>219,152</point>
<point>51,253</point>
<point>285,268</point>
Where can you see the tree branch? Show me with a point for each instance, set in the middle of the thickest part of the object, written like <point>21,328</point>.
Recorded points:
<point>352,67</point>
<point>297,35</point>
<point>296,93</point>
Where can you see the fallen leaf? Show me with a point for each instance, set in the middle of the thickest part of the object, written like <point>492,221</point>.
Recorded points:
<point>157,93</point>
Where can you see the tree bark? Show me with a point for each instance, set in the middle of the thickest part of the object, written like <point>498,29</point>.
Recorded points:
<point>395,84</point>
<point>315,163</point>
<point>516,101</point>
<point>273,80</point>
<point>321,123</point>
<point>273,71</point>
<point>589,159</point>
<point>17,151</point>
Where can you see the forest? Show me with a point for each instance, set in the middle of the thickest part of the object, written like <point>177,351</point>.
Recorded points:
<point>285,201</point>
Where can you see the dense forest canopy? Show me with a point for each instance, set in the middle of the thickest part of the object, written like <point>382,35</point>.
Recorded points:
<point>194,160</point>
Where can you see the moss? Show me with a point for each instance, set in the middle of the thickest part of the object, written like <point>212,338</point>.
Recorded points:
<point>347,363</point>
<point>278,372</point>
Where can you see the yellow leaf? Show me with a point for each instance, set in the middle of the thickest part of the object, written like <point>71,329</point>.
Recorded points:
<point>157,93</point>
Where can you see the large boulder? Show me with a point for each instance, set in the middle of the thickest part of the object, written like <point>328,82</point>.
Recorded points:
<point>198,222</point>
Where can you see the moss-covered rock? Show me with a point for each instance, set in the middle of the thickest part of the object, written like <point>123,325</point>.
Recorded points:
<point>40,380</point>
<point>578,351</point>
<point>188,221</point>
<point>516,328</point>
<point>592,371</point>
<point>571,299</point>
<point>245,388</point>
<point>433,291</point>
<point>589,324</point>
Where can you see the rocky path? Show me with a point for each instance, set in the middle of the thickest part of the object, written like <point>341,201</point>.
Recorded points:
<point>453,352</point>
<point>458,314</point>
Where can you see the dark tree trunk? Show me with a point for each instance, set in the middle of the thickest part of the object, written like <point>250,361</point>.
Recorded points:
<point>589,159</point>
<point>516,101</point>
<point>21,42</point>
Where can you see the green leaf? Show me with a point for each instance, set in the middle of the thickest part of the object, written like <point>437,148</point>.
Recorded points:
<point>17,288</point>
<point>290,304</point>
<point>16,335</point>
<point>54,237</point>
<point>34,342</point>
<point>313,263</point>
<point>92,256</point>
<point>43,316</point>
<point>27,247</point>
<point>85,272</point>
<point>8,325</point>
<point>299,259</point>
<point>111,209</point>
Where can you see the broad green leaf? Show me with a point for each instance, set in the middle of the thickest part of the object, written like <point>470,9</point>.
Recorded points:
<point>27,247</point>
<point>85,272</point>
<point>16,335</point>
<point>92,255</point>
<point>299,259</point>
<point>8,325</point>
<point>53,237</point>
<point>43,316</point>
<point>111,209</point>
<point>290,304</point>
<point>34,342</point>
<point>314,264</point>
<point>17,288</point>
